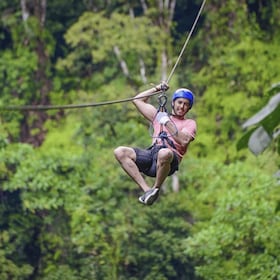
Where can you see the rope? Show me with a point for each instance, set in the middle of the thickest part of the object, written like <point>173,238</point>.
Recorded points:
<point>186,42</point>
<point>71,106</point>
<point>76,106</point>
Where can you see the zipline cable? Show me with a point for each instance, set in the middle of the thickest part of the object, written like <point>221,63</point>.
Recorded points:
<point>76,106</point>
<point>71,106</point>
<point>186,42</point>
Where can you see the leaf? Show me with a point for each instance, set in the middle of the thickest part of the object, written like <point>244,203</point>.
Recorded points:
<point>243,141</point>
<point>259,140</point>
<point>272,106</point>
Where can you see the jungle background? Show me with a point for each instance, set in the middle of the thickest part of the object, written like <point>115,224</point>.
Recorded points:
<point>68,211</point>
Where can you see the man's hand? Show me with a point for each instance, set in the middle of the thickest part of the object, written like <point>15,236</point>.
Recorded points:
<point>162,118</point>
<point>163,86</point>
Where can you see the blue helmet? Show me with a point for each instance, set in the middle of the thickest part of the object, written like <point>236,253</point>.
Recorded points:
<point>183,93</point>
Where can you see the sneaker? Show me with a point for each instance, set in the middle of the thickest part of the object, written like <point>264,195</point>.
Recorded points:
<point>149,197</point>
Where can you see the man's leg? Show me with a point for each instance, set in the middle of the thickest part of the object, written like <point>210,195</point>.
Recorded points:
<point>164,160</point>
<point>126,157</point>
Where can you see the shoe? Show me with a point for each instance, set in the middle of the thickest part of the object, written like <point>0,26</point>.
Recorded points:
<point>149,197</point>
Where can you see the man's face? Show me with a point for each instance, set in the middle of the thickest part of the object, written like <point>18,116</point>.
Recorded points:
<point>181,106</point>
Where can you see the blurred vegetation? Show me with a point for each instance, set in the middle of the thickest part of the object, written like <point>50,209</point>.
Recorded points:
<point>68,210</point>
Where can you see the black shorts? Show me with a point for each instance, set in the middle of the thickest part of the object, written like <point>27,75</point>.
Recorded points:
<point>146,160</point>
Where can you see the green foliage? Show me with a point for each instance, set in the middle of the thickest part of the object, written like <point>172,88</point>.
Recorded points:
<point>239,240</point>
<point>17,228</point>
<point>24,73</point>
<point>16,235</point>
<point>17,84</point>
<point>95,36</point>
<point>231,88</point>
<point>71,197</point>
<point>267,119</point>
<point>69,211</point>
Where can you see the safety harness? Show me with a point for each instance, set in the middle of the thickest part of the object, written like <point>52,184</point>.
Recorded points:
<point>163,136</point>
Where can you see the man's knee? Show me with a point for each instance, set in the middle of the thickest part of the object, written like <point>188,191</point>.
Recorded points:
<point>118,152</point>
<point>123,152</point>
<point>165,155</point>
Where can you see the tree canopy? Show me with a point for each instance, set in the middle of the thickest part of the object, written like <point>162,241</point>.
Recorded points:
<point>68,210</point>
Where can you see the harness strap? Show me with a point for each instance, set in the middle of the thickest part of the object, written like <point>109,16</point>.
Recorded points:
<point>164,138</point>
<point>162,100</point>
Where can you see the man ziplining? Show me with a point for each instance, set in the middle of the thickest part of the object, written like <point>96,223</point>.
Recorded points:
<point>171,138</point>
<point>172,134</point>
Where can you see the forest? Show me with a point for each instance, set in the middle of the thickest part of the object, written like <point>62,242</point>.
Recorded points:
<point>68,210</point>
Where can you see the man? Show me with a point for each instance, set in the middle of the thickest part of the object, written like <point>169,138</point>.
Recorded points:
<point>172,135</point>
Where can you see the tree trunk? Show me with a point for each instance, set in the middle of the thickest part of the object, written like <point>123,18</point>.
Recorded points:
<point>121,61</point>
<point>32,129</point>
<point>141,61</point>
<point>165,17</point>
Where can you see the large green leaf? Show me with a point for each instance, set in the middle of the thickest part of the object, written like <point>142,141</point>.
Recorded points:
<point>269,115</point>
<point>267,120</point>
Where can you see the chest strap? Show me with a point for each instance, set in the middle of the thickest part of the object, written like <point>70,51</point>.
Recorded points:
<point>165,139</point>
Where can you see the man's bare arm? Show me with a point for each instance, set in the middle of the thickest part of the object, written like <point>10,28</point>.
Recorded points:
<point>141,101</point>
<point>179,136</point>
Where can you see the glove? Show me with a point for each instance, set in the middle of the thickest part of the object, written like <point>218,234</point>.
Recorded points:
<point>163,86</point>
<point>162,118</point>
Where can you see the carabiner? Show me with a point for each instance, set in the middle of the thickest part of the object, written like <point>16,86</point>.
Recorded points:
<point>162,100</point>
